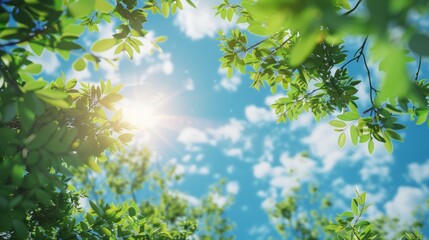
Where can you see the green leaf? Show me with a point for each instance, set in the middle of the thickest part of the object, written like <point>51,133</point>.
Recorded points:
<point>73,30</point>
<point>26,116</point>
<point>349,116</point>
<point>394,135</point>
<point>353,107</point>
<point>354,206</point>
<point>388,145</point>
<point>342,139</point>
<point>109,99</point>
<point>93,164</point>
<point>33,68</point>
<point>71,84</point>
<point>161,39</point>
<point>79,64</point>
<point>89,216</point>
<point>55,94</point>
<point>229,72</point>
<point>81,8</point>
<point>104,6</point>
<point>230,14</point>
<point>34,85</point>
<point>362,223</point>
<point>104,44</point>
<point>37,48</point>
<point>191,3</point>
<point>129,50</point>
<point>418,43</point>
<point>354,135</point>
<point>126,137</point>
<point>20,228</point>
<point>95,208</point>
<point>17,174</point>
<point>132,212</point>
<point>422,114</point>
<point>8,112</point>
<point>42,196</point>
<point>371,146</point>
<point>61,103</point>
<point>165,9</point>
<point>257,28</point>
<point>302,48</point>
<point>106,231</point>
<point>43,135</point>
<point>346,214</point>
<point>337,123</point>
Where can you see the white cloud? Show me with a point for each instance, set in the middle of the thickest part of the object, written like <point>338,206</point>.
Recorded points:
<point>323,143</point>
<point>257,115</point>
<point>186,158</point>
<point>219,200</point>
<point>406,200</point>
<point>231,131</point>
<point>267,155</point>
<point>376,164</point>
<point>419,172</point>
<point>229,84</point>
<point>181,169</point>
<point>200,22</point>
<point>230,169</point>
<point>190,136</point>
<point>268,204</point>
<point>259,231</point>
<point>261,169</point>
<point>80,76</point>
<point>300,167</point>
<point>194,201</point>
<point>304,120</point>
<point>163,64</point>
<point>199,157</point>
<point>232,187</point>
<point>234,152</point>
<point>269,100</point>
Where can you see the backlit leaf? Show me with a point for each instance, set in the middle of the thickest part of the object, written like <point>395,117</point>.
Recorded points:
<point>337,123</point>
<point>354,135</point>
<point>79,64</point>
<point>342,139</point>
<point>104,44</point>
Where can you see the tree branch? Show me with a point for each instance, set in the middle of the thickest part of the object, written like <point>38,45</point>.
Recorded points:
<point>353,9</point>
<point>418,68</point>
<point>28,38</point>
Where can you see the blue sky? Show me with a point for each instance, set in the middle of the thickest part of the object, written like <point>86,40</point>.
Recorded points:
<point>215,127</point>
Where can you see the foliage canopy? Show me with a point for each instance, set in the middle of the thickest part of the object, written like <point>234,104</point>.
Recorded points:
<point>52,131</point>
<point>302,52</point>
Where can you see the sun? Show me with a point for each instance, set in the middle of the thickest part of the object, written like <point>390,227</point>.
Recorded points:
<point>142,116</point>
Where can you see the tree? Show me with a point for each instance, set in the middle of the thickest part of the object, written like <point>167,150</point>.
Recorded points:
<point>50,128</point>
<point>302,52</point>
<point>292,221</point>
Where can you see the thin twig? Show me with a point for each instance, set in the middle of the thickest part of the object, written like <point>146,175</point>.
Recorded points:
<point>282,44</point>
<point>353,9</point>
<point>359,52</point>
<point>418,68</point>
